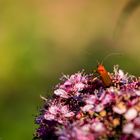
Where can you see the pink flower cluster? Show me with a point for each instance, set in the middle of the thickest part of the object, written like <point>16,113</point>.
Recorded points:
<point>82,108</point>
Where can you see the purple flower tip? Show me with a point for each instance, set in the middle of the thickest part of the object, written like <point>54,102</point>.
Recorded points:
<point>82,108</point>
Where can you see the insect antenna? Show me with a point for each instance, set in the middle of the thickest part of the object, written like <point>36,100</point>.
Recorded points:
<point>107,56</point>
<point>98,62</point>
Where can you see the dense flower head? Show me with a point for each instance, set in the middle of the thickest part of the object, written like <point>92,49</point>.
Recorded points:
<point>83,108</point>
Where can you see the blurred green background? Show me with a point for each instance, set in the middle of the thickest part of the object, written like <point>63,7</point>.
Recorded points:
<point>40,40</point>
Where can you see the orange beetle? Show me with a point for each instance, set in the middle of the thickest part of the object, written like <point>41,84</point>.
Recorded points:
<point>105,77</point>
